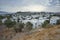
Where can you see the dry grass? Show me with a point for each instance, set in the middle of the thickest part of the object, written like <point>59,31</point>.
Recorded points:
<point>7,33</point>
<point>52,33</point>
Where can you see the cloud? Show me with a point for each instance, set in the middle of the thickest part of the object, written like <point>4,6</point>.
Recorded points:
<point>53,9</point>
<point>29,5</point>
<point>33,8</point>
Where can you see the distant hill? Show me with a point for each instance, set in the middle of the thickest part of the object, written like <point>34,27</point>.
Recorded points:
<point>3,12</point>
<point>33,13</point>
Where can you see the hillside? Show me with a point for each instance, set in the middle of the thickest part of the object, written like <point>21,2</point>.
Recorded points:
<point>52,33</point>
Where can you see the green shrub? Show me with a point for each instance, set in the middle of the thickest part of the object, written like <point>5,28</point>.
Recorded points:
<point>1,17</point>
<point>45,23</point>
<point>49,26</point>
<point>58,22</point>
<point>1,22</point>
<point>28,26</point>
<point>8,16</point>
<point>9,23</point>
<point>19,27</point>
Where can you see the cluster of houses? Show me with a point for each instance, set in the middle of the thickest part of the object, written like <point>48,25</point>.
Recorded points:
<point>37,19</point>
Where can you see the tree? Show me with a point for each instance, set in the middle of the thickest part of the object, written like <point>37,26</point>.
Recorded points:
<point>28,26</point>
<point>45,23</point>
<point>9,16</point>
<point>19,27</point>
<point>18,19</point>
<point>9,23</point>
<point>36,17</point>
<point>1,22</point>
<point>1,17</point>
<point>58,22</point>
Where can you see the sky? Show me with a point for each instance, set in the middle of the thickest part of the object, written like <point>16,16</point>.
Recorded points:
<point>30,5</point>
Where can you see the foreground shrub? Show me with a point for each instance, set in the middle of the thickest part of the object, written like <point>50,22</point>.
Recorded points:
<point>49,26</point>
<point>28,26</point>
<point>45,24</point>
<point>58,22</point>
<point>19,27</point>
<point>1,22</point>
<point>9,23</point>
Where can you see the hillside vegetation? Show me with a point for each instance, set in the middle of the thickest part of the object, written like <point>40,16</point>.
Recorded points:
<point>52,33</point>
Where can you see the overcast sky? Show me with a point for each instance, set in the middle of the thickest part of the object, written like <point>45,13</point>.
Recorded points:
<point>30,5</point>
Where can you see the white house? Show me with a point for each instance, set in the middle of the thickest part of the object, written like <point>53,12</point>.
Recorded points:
<point>54,19</point>
<point>36,22</point>
<point>3,20</point>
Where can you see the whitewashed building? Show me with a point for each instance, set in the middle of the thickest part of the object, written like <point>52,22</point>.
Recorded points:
<point>54,19</point>
<point>3,20</point>
<point>36,22</point>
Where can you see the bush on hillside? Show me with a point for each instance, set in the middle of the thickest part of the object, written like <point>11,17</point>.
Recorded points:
<point>1,17</point>
<point>58,22</point>
<point>9,23</point>
<point>8,16</point>
<point>45,23</point>
<point>1,22</point>
<point>28,26</point>
<point>49,26</point>
<point>19,27</point>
